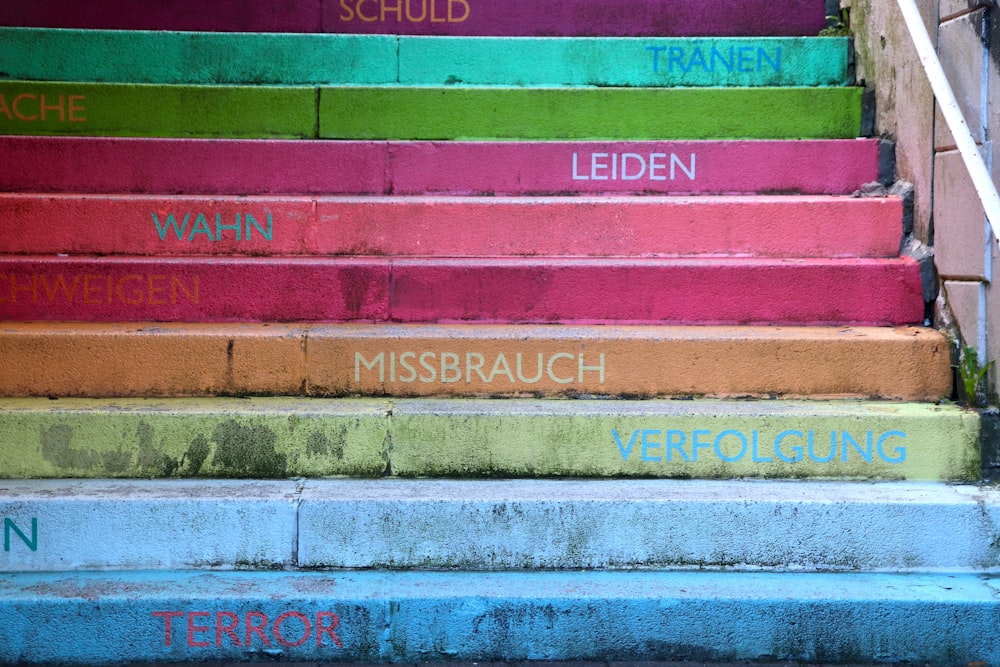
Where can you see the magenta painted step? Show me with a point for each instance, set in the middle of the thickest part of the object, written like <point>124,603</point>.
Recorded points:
<point>682,291</point>
<point>192,290</point>
<point>206,15</point>
<point>431,17</point>
<point>776,226</point>
<point>234,167</point>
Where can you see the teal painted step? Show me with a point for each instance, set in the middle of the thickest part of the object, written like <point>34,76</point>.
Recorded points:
<point>497,525</point>
<point>294,59</point>
<point>417,617</point>
<point>380,112</point>
<point>280,438</point>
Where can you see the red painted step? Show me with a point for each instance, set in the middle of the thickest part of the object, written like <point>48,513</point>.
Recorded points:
<point>680,291</point>
<point>234,167</point>
<point>776,226</point>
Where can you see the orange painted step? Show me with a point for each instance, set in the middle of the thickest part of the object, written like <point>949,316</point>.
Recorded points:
<point>775,226</point>
<point>113,360</point>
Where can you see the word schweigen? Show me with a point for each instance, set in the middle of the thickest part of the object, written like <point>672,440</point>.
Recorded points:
<point>95,289</point>
<point>632,167</point>
<point>733,446</point>
<point>29,107</point>
<point>291,628</point>
<point>441,11</point>
<point>243,227</point>
<point>10,527</point>
<point>450,367</point>
<point>740,59</point>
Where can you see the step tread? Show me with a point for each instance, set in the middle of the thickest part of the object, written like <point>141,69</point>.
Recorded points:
<point>415,617</point>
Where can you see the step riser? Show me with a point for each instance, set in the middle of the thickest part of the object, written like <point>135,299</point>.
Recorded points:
<point>647,226</point>
<point>640,291</point>
<point>413,617</point>
<point>150,110</point>
<point>442,17</point>
<point>220,166</point>
<point>488,438</point>
<point>589,113</point>
<point>495,525</point>
<point>220,58</point>
<point>184,360</point>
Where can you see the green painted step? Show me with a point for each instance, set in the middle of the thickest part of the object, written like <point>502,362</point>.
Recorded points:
<point>373,112</point>
<point>294,59</point>
<point>144,110</point>
<point>279,438</point>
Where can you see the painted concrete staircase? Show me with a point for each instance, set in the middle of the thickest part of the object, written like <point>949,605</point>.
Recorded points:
<point>277,284</point>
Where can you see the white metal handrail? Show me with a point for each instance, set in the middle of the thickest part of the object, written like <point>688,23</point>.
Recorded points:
<point>981,180</point>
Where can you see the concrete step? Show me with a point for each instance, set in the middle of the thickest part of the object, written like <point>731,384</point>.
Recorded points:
<point>648,18</point>
<point>426,112</point>
<point>288,437</point>
<point>286,59</point>
<point>506,290</point>
<point>492,113</point>
<point>379,617</point>
<point>775,226</point>
<point>227,166</point>
<point>497,525</point>
<point>148,359</point>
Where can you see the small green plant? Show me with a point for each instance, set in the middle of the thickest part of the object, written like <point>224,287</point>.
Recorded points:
<point>972,375</point>
<point>838,26</point>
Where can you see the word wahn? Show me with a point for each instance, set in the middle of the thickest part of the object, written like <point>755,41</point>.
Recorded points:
<point>631,167</point>
<point>29,107</point>
<point>10,529</point>
<point>95,289</point>
<point>405,11</point>
<point>450,367</point>
<point>731,446</point>
<point>292,628</point>
<point>746,59</point>
<point>242,227</point>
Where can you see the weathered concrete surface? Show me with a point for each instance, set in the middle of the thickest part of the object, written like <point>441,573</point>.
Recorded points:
<point>378,617</point>
<point>223,166</point>
<point>505,290</point>
<point>267,58</point>
<point>147,110</point>
<point>374,112</point>
<point>148,525</point>
<point>452,227</point>
<point>277,438</point>
<point>264,438</point>
<point>497,525</point>
<point>89,359</point>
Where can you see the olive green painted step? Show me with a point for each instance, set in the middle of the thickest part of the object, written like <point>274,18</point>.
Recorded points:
<point>291,59</point>
<point>284,437</point>
<point>145,110</point>
<point>380,112</point>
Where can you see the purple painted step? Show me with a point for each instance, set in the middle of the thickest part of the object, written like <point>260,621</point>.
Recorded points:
<point>233,167</point>
<point>432,17</point>
<point>680,291</point>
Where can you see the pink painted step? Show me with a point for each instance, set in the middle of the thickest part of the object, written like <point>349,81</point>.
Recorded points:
<point>234,167</point>
<point>776,226</point>
<point>441,17</point>
<point>678,291</point>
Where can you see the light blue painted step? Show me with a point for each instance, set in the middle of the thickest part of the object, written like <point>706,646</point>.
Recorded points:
<point>498,525</point>
<point>295,59</point>
<point>370,617</point>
